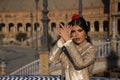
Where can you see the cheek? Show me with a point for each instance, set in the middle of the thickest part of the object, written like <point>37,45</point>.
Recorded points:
<point>83,35</point>
<point>72,34</point>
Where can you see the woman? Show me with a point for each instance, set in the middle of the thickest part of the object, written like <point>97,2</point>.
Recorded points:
<point>74,50</point>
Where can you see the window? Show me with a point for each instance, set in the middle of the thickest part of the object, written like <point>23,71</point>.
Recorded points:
<point>28,27</point>
<point>11,26</point>
<point>106,26</point>
<point>36,26</point>
<point>1,26</point>
<point>53,25</point>
<point>96,26</point>
<point>106,4</point>
<point>118,7</point>
<point>19,27</point>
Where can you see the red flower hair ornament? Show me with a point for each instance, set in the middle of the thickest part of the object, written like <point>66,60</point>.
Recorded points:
<point>75,16</point>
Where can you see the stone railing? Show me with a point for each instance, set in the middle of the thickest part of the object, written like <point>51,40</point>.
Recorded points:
<point>102,78</point>
<point>29,69</point>
<point>33,68</point>
<point>104,49</point>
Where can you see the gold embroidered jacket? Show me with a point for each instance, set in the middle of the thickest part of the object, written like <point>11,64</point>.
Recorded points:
<point>77,60</point>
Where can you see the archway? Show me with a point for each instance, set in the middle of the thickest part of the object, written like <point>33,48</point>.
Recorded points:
<point>19,27</point>
<point>2,25</point>
<point>28,27</point>
<point>53,25</point>
<point>96,26</point>
<point>11,27</point>
<point>36,26</point>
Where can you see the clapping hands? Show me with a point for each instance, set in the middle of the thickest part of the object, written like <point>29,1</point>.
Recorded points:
<point>64,32</point>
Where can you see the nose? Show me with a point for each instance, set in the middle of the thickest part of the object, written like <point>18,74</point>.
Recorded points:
<point>76,33</point>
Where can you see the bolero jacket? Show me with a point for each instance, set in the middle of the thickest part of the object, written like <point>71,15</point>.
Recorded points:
<point>77,60</point>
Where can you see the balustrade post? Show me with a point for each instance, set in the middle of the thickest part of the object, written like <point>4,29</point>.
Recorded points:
<point>44,66</point>
<point>114,46</point>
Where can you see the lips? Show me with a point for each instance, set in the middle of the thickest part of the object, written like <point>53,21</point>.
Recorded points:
<point>77,39</point>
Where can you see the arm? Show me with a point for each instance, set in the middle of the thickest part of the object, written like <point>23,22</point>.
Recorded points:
<point>55,52</point>
<point>78,59</point>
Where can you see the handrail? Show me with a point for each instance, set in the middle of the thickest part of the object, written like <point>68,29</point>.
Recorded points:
<point>33,68</point>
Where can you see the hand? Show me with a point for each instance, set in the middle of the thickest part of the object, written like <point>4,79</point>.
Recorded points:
<point>64,32</point>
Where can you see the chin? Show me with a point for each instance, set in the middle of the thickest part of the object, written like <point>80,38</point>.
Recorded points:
<point>76,42</point>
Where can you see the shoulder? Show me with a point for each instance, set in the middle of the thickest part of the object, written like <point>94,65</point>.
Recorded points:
<point>92,48</point>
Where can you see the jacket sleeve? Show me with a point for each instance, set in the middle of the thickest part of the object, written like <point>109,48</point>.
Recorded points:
<point>54,56</point>
<point>80,59</point>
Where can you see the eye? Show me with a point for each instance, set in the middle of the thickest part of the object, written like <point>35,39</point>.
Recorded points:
<point>72,31</point>
<point>80,30</point>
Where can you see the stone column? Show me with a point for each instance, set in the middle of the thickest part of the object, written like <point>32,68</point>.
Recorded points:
<point>113,28</point>
<point>14,28</point>
<point>101,26</point>
<point>92,27</point>
<point>23,27</point>
<point>6,28</point>
<point>114,41</point>
<point>114,46</point>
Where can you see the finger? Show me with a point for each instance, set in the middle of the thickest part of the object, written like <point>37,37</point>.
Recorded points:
<point>68,26</point>
<point>58,31</point>
<point>72,37</point>
<point>62,26</point>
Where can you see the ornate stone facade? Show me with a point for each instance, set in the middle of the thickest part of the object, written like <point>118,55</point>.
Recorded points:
<point>99,18</point>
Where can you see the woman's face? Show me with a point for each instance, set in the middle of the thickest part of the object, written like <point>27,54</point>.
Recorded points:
<point>78,34</point>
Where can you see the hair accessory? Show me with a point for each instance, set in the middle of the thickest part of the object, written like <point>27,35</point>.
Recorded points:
<point>75,16</point>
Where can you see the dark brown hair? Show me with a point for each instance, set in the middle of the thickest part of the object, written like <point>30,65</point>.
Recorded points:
<point>80,21</point>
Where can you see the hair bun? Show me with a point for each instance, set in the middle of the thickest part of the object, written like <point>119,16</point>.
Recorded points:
<point>75,16</point>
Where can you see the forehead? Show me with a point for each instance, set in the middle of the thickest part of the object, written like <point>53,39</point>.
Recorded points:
<point>76,27</point>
